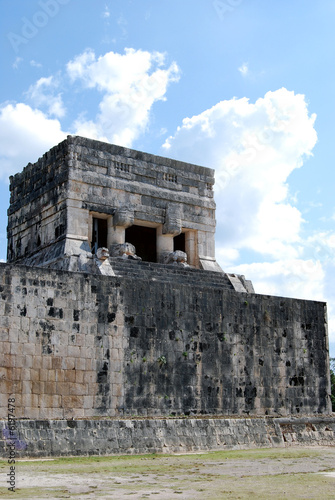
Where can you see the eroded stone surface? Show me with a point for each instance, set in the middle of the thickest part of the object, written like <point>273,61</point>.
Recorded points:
<point>85,334</point>
<point>85,194</point>
<point>156,340</point>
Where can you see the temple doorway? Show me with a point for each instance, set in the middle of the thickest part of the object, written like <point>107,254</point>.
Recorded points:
<point>179,242</point>
<point>99,234</point>
<point>144,240</point>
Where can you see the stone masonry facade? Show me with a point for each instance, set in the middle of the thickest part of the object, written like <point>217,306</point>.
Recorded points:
<point>113,307</point>
<point>154,342</point>
<point>41,438</point>
<point>84,193</point>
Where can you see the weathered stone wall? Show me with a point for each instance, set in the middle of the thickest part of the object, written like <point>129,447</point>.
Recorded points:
<point>156,341</point>
<point>37,212</point>
<point>53,202</point>
<point>42,438</point>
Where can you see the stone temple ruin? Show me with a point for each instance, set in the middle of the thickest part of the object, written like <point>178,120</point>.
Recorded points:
<point>113,309</point>
<point>107,197</point>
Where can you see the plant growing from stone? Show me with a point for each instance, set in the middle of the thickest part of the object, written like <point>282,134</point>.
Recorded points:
<point>161,360</point>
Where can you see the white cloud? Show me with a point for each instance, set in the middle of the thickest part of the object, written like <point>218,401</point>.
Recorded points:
<point>25,135</point>
<point>130,84</point>
<point>254,148</point>
<point>227,255</point>
<point>43,95</point>
<point>106,13</point>
<point>244,69</point>
<point>297,278</point>
<point>17,62</point>
<point>35,64</point>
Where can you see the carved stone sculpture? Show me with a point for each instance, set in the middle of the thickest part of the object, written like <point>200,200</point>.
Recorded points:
<point>177,257</point>
<point>124,216</point>
<point>172,224</point>
<point>102,253</point>
<point>125,251</point>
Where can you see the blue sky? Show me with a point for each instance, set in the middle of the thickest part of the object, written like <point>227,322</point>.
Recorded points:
<point>243,86</point>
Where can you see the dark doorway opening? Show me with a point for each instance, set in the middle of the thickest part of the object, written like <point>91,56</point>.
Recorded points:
<point>99,236</point>
<point>144,240</point>
<point>179,242</point>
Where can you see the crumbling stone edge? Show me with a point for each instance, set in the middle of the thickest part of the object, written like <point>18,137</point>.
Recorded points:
<point>85,437</point>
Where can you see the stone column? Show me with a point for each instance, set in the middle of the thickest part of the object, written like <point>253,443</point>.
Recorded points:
<point>164,244</point>
<point>165,233</point>
<point>123,218</point>
<point>191,248</point>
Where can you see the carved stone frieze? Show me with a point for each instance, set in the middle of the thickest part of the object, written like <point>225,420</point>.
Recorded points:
<point>124,216</point>
<point>173,218</point>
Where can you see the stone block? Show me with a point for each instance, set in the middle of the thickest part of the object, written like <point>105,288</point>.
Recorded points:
<point>78,389</point>
<point>43,375</point>
<point>73,401</point>
<point>34,375</point>
<point>50,388</point>
<point>74,413</point>
<point>47,413</point>
<point>73,352</point>
<point>29,349</point>
<point>88,364</point>
<point>4,335</point>
<point>30,400</point>
<point>63,388</point>
<point>79,376</point>
<point>37,388</point>
<point>68,364</point>
<point>80,364</point>
<point>70,375</point>
<point>56,363</point>
<point>50,400</point>
<point>26,386</point>
<point>6,348</point>
<point>88,402</point>
<point>89,377</point>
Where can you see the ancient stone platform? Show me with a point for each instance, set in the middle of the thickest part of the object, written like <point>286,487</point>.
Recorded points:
<point>155,342</point>
<point>92,337</point>
<point>46,438</point>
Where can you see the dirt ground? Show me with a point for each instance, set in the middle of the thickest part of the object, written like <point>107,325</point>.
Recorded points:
<point>292,473</point>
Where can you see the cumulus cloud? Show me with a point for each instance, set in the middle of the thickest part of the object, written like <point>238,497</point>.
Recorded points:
<point>297,278</point>
<point>25,134</point>
<point>254,148</point>
<point>43,94</point>
<point>130,84</point>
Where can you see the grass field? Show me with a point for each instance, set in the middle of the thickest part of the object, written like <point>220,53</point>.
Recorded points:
<point>292,473</point>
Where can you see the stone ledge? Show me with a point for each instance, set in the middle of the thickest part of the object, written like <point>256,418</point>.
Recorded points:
<point>43,438</point>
